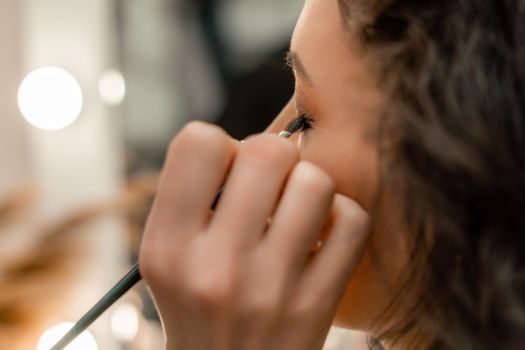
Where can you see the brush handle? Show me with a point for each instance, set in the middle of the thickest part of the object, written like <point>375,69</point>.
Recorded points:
<point>118,290</point>
<point>125,284</point>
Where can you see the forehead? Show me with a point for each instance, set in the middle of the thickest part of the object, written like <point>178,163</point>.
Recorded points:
<point>319,29</point>
<point>325,48</point>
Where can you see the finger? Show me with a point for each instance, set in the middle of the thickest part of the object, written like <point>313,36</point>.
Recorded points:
<point>196,166</point>
<point>300,216</point>
<point>253,188</point>
<point>329,271</point>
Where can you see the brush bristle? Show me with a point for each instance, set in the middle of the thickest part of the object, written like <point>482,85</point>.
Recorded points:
<point>295,125</point>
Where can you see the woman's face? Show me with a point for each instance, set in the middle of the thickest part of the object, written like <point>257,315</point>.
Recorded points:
<point>334,89</point>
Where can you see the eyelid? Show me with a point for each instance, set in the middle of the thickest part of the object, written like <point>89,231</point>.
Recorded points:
<point>309,121</point>
<point>308,117</point>
<point>301,111</point>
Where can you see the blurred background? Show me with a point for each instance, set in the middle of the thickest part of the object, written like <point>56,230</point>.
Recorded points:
<point>91,93</point>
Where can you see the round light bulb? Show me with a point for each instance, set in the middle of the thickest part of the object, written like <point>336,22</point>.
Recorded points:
<point>50,98</point>
<point>125,322</point>
<point>85,341</point>
<point>112,87</point>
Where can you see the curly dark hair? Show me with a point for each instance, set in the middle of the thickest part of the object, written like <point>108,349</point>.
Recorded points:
<point>453,137</point>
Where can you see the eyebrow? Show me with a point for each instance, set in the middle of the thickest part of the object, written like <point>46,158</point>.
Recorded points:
<point>293,61</point>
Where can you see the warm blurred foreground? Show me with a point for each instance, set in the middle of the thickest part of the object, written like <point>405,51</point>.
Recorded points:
<point>42,269</point>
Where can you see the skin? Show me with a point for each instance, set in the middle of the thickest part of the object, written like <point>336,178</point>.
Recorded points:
<point>334,87</point>
<point>232,278</point>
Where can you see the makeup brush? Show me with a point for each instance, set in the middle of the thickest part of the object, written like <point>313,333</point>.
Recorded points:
<point>133,276</point>
<point>294,126</point>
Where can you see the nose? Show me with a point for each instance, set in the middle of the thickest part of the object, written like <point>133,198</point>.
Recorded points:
<point>283,118</point>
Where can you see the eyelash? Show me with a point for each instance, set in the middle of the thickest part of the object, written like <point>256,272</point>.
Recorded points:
<point>309,120</point>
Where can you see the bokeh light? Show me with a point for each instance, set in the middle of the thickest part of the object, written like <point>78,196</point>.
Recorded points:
<point>112,87</point>
<point>85,341</point>
<point>125,322</point>
<point>50,98</point>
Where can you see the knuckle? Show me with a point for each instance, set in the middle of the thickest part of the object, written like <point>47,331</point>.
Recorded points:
<point>270,149</point>
<point>159,264</point>
<point>350,213</point>
<point>196,128</point>
<point>211,291</point>
<point>261,305</point>
<point>150,267</point>
<point>312,179</point>
<point>260,308</point>
<point>303,308</point>
<point>196,134</point>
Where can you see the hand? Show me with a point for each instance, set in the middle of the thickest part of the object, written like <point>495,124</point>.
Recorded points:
<point>230,279</point>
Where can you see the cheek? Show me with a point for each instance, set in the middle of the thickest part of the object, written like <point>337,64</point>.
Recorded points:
<point>352,164</point>
<point>377,277</point>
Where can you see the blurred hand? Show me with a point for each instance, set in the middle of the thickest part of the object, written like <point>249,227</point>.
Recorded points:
<point>232,279</point>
